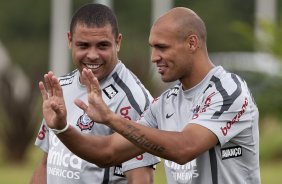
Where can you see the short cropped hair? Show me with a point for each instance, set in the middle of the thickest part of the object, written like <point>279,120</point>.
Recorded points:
<point>95,15</point>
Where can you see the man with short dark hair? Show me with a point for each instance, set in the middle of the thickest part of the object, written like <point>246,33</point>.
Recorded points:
<point>95,41</point>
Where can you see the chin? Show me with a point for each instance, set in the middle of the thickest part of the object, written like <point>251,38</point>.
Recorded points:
<point>169,79</point>
<point>166,80</point>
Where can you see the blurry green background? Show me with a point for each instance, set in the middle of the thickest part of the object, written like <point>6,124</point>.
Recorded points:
<point>25,35</point>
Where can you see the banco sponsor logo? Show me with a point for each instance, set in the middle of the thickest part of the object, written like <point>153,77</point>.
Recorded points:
<point>231,152</point>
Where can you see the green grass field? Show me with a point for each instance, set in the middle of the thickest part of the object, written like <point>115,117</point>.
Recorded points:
<point>271,172</point>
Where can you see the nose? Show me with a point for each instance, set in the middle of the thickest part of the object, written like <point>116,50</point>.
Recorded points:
<point>155,57</point>
<point>92,53</point>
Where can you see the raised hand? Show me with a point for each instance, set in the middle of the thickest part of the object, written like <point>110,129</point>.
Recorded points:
<point>97,110</point>
<point>54,110</point>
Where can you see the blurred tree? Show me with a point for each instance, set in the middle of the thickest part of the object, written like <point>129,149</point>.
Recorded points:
<point>266,88</point>
<point>275,46</point>
<point>135,21</point>
<point>20,116</point>
<point>266,92</point>
<point>24,32</point>
<point>218,16</point>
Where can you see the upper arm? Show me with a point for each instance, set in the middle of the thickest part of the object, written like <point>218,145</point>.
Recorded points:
<point>142,175</point>
<point>197,140</point>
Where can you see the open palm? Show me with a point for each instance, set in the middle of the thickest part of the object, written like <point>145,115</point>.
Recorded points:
<point>54,110</point>
<point>97,110</point>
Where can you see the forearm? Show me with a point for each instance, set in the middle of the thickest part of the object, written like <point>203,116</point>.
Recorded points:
<point>94,149</point>
<point>87,147</point>
<point>166,144</point>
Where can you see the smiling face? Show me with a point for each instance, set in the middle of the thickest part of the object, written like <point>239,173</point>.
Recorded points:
<point>169,52</point>
<point>95,48</point>
<point>178,42</point>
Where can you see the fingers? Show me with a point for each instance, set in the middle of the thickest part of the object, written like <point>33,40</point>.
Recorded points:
<point>51,78</point>
<point>56,108</point>
<point>91,82</point>
<point>48,85</point>
<point>96,86</point>
<point>85,80</point>
<point>57,89</point>
<point>53,86</point>
<point>81,105</point>
<point>43,91</point>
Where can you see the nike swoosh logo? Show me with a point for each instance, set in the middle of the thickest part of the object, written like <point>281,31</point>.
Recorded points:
<point>169,115</point>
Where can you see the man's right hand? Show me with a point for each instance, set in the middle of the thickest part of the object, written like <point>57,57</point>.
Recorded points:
<point>97,109</point>
<point>54,110</point>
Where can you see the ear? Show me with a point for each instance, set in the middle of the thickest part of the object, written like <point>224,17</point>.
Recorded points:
<point>118,41</point>
<point>69,39</point>
<point>193,42</point>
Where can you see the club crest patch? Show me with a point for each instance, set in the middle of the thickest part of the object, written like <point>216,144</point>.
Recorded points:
<point>110,91</point>
<point>84,122</point>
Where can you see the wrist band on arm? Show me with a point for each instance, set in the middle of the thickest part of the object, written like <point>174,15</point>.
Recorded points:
<point>60,131</point>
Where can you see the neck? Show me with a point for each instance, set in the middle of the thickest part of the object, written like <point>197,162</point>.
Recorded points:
<point>198,73</point>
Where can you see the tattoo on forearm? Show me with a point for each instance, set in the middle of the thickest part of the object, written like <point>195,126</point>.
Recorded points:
<point>132,133</point>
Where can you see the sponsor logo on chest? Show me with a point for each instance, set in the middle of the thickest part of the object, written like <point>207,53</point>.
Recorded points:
<point>183,173</point>
<point>202,108</point>
<point>62,163</point>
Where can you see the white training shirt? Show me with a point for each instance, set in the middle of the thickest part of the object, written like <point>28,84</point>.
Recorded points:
<point>125,95</point>
<point>222,103</point>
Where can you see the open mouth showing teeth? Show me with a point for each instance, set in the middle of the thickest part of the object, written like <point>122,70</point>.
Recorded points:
<point>92,66</point>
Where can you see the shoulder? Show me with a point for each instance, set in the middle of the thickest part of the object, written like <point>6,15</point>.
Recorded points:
<point>122,85</point>
<point>227,83</point>
<point>228,92</point>
<point>128,82</point>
